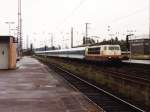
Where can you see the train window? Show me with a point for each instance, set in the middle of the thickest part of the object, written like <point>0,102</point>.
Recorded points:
<point>77,52</point>
<point>105,48</point>
<point>94,50</point>
<point>114,48</point>
<point>83,52</point>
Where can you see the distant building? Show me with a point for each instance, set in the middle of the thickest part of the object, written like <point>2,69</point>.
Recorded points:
<point>140,46</point>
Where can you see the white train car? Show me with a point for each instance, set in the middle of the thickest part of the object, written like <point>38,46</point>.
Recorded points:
<point>77,53</point>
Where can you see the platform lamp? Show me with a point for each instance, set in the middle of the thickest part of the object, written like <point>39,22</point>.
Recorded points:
<point>129,36</point>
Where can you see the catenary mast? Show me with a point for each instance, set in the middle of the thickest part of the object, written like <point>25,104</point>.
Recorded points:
<point>19,34</point>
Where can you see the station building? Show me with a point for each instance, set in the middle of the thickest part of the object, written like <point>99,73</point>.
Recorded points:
<point>140,48</point>
<point>7,52</point>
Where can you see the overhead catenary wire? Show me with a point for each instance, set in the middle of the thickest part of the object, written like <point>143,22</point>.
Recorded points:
<point>114,21</point>
<point>129,15</point>
<point>111,22</point>
<point>71,13</point>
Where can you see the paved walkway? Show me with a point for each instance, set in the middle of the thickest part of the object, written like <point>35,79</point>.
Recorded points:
<point>146,62</point>
<point>32,88</point>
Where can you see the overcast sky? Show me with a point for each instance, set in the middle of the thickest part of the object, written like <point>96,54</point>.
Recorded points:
<point>42,18</point>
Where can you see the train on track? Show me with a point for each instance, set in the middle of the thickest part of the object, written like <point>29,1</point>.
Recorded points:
<point>92,53</point>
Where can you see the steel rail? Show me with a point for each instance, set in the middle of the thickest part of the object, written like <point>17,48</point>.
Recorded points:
<point>94,86</point>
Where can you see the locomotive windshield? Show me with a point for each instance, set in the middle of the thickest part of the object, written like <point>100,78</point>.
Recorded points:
<point>94,50</point>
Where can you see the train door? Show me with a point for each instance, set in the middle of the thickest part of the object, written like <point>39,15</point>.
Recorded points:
<point>3,56</point>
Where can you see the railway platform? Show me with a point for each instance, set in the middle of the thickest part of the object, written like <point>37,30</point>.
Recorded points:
<point>33,87</point>
<point>144,62</point>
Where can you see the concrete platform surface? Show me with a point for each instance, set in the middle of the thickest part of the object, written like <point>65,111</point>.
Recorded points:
<point>34,88</point>
<point>145,62</point>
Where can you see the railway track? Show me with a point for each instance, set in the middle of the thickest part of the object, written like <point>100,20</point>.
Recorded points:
<point>130,71</point>
<point>139,75</point>
<point>136,72</point>
<point>102,98</point>
<point>129,78</point>
<point>139,78</point>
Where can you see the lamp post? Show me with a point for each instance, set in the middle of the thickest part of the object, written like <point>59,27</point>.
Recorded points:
<point>131,34</point>
<point>86,32</point>
<point>9,25</point>
<point>51,39</point>
<point>71,37</point>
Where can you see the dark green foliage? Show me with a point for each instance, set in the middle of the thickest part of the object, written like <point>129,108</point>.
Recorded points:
<point>112,41</point>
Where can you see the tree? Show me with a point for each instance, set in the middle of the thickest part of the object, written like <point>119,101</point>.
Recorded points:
<point>88,40</point>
